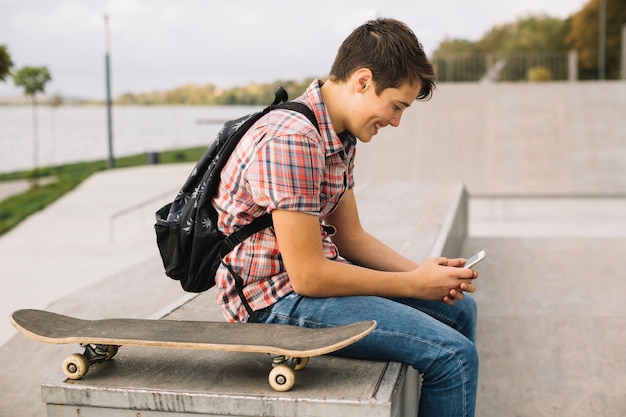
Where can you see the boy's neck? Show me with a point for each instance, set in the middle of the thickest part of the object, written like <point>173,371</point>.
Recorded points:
<point>333,94</point>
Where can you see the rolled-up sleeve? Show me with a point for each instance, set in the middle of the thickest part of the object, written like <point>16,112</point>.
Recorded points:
<point>287,174</point>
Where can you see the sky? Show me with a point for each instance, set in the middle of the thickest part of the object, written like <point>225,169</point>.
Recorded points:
<point>163,44</point>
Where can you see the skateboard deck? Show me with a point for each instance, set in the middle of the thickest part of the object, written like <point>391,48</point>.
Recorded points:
<point>290,346</point>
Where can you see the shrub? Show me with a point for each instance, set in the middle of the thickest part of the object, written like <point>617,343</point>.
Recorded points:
<point>538,74</point>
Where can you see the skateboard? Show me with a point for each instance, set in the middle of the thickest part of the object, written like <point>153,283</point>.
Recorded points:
<point>290,347</point>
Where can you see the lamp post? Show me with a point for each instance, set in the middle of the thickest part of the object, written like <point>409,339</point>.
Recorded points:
<point>602,41</point>
<point>111,160</point>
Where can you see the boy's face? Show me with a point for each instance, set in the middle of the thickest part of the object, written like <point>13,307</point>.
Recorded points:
<point>372,112</point>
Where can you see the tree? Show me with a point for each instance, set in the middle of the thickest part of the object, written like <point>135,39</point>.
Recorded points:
<point>5,63</point>
<point>538,34</point>
<point>458,60</point>
<point>533,42</point>
<point>33,80</point>
<point>497,36</point>
<point>584,32</point>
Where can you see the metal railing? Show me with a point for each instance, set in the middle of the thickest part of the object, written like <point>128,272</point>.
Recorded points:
<point>134,217</point>
<point>515,67</point>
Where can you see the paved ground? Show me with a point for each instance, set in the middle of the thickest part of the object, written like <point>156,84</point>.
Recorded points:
<point>551,331</point>
<point>551,334</point>
<point>100,229</point>
<point>9,188</point>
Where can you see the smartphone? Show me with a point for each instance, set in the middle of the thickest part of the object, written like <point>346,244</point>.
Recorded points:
<point>475,259</point>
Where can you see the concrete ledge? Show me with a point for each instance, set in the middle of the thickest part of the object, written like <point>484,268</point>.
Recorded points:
<point>419,219</point>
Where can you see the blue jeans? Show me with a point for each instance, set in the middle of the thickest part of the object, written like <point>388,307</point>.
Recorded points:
<point>433,337</point>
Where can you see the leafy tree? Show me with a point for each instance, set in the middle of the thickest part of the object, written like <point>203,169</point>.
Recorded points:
<point>209,94</point>
<point>536,34</point>
<point>459,60</point>
<point>33,80</point>
<point>533,43</point>
<point>5,63</point>
<point>584,33</point>
<point>493,40</point>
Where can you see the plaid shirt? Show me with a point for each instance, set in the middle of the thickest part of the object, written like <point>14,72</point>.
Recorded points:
<point>282,162</point>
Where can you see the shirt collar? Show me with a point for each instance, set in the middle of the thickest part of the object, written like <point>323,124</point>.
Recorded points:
<point>335,143</point>
<point>348,138</point>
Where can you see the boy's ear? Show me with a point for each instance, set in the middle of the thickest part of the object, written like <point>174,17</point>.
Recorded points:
<point>362,79</point>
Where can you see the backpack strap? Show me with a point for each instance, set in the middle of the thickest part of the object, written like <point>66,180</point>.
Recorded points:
<point>245,232</point>
<point>300,108</point>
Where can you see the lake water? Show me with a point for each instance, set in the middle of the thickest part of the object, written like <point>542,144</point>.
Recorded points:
<point>79,133</point>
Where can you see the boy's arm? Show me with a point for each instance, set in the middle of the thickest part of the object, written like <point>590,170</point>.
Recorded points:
<point>312,274</point>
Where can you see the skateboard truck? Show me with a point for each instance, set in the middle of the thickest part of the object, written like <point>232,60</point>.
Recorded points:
<point>97,353</point>
<point>76,365</point>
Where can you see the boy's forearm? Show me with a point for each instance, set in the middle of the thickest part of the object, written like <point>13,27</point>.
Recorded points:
<point>367,251</point>
<point>337,279</point>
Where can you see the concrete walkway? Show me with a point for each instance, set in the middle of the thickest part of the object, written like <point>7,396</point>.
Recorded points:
<point>551,333</point>
<point>550,338</point>
<point>10,188</point>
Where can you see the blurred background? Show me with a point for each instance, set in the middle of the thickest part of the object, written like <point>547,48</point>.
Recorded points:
<point>168,69</point>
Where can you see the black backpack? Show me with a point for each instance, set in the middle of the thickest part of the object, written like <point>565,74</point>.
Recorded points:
<point>189,241</point>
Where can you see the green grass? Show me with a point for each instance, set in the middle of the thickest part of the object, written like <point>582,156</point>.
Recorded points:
<point>17,208</point>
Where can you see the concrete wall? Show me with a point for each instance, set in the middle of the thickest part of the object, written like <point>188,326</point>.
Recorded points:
<point>509,139</point>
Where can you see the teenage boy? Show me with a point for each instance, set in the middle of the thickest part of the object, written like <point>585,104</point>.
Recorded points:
<point>317,266</point>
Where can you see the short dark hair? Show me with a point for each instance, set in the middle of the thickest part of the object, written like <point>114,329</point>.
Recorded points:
<point>389,49</point>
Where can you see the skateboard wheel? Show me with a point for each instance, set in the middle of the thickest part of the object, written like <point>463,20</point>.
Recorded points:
<point>75,366</point>
<point>282,378</point>
<point>300,364</point>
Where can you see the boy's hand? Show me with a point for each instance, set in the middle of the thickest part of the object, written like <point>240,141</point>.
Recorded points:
<point>456,294</point>
<point>444,280</point>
